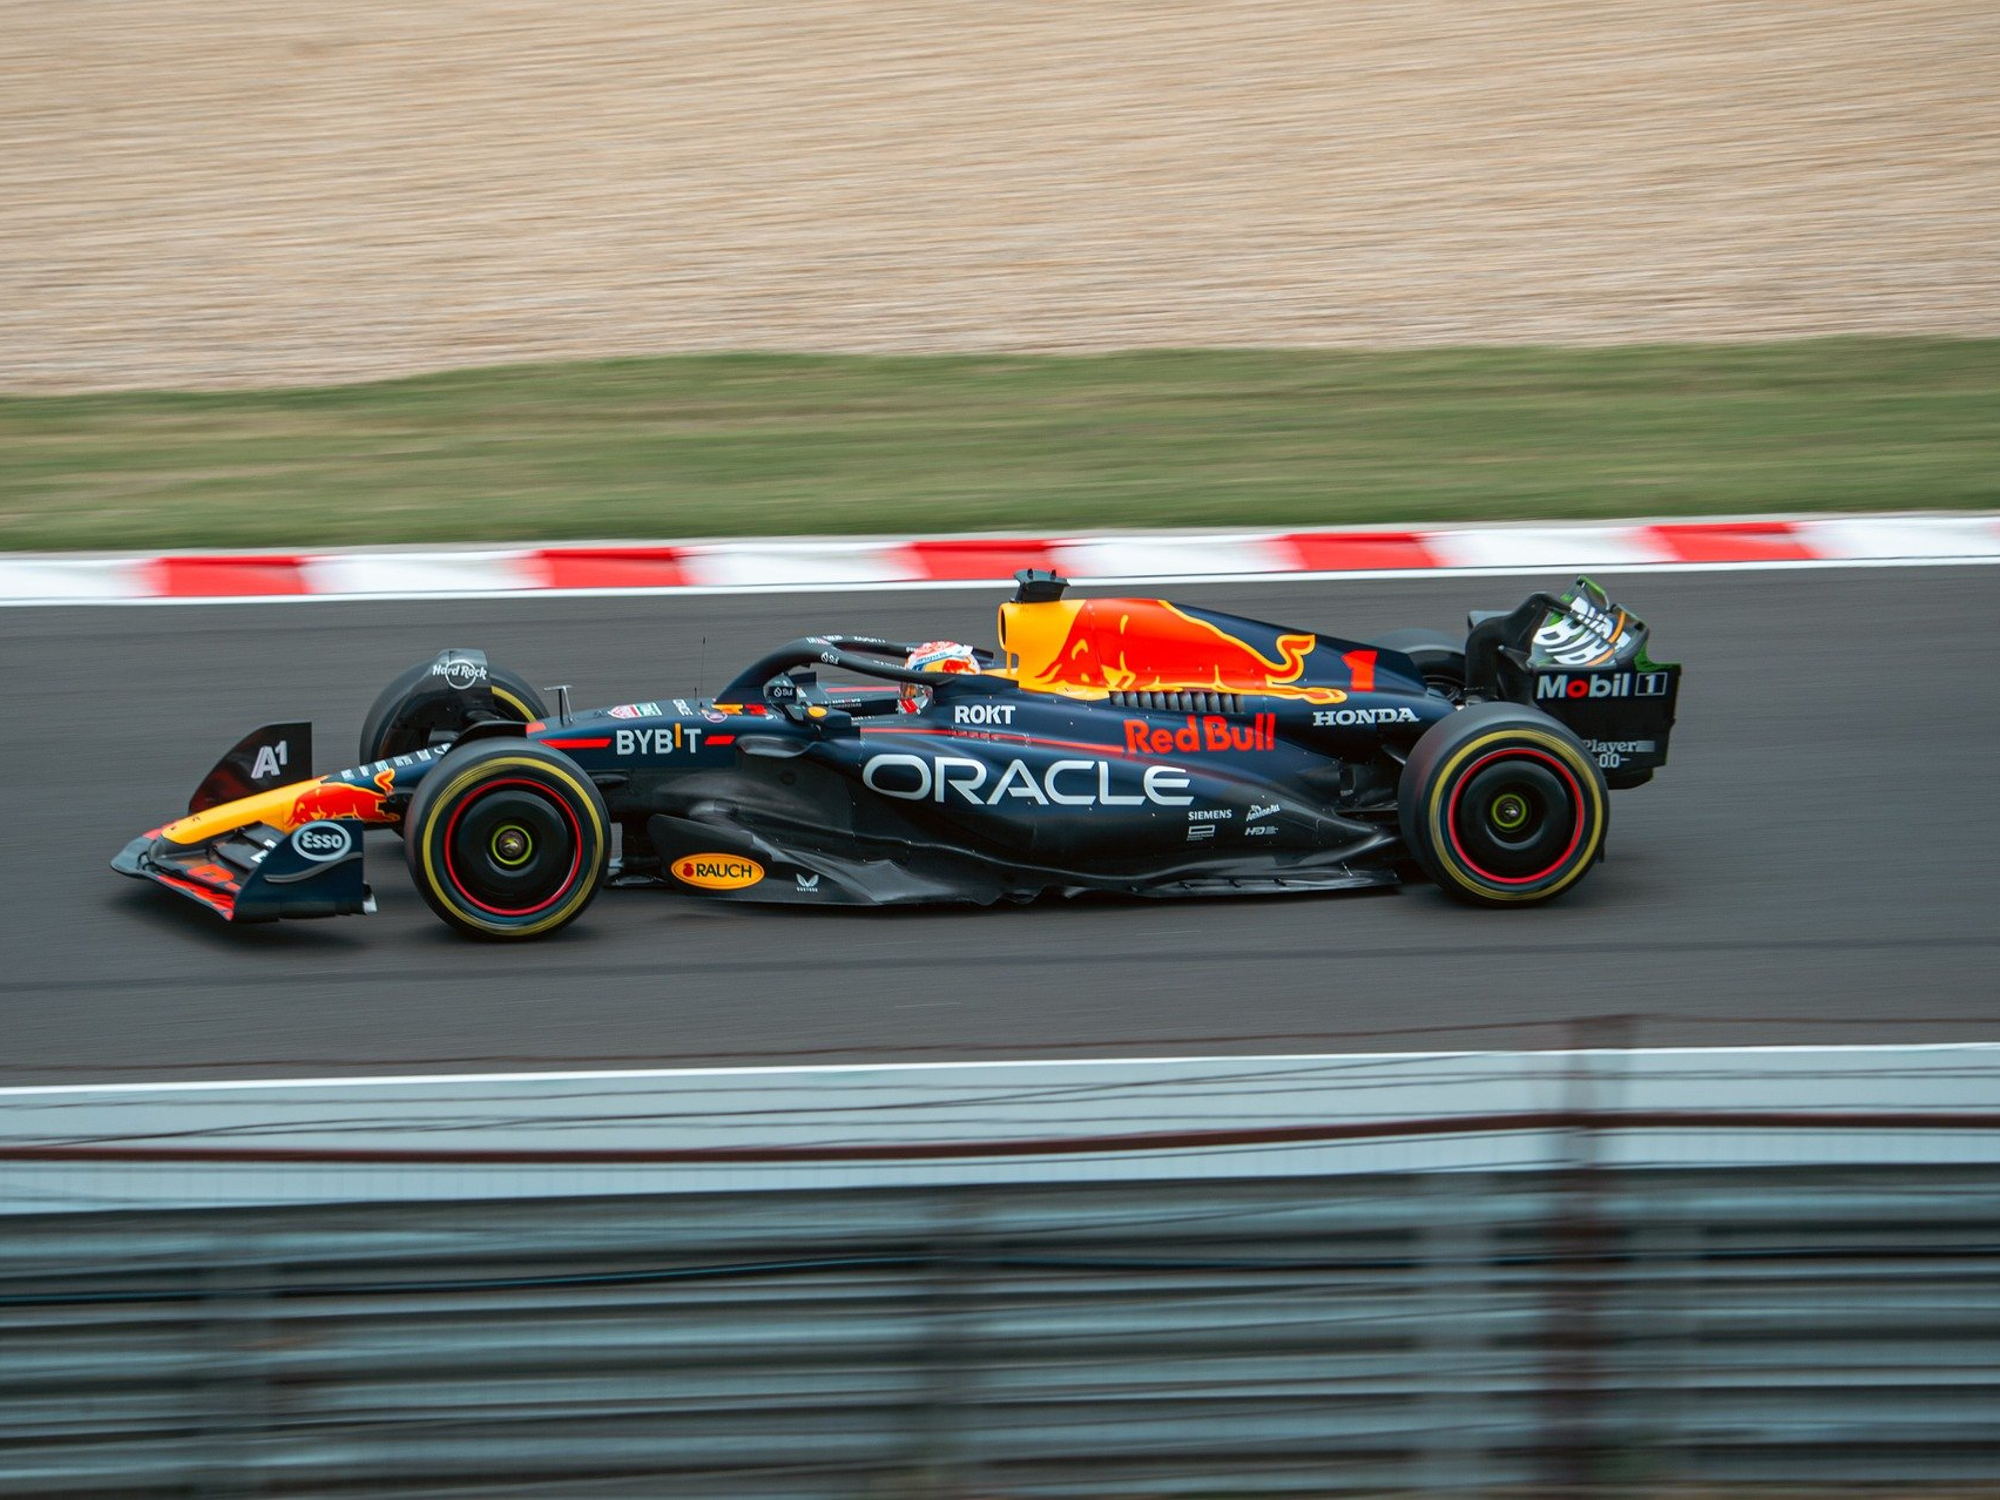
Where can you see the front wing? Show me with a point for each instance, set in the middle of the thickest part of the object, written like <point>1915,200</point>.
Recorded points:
<point>259,874</point>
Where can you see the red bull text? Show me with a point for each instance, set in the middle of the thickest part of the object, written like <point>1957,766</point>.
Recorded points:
<point>1208,732</point>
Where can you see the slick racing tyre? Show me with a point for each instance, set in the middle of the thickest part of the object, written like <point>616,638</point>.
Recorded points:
<point>507,839</point>
<point>1502,806</point>
<point>404,717</point>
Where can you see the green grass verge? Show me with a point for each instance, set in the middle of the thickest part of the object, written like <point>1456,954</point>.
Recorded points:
<point>747,444</point>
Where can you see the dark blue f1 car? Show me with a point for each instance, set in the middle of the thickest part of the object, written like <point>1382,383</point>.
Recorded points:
<point>1118,745</point>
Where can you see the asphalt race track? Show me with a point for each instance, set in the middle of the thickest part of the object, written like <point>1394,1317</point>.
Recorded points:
<point>1815,866</point>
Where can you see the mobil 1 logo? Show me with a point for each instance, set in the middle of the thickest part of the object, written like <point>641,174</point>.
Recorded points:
<point>1574,686</point>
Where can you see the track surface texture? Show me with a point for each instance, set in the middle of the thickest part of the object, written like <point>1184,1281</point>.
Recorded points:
<point>1815,865</point>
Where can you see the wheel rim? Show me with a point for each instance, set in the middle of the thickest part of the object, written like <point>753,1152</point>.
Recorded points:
<point>512,848</point>
<point>1516,817</point>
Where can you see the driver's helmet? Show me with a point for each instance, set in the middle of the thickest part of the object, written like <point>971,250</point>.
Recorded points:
<point>934,656</point>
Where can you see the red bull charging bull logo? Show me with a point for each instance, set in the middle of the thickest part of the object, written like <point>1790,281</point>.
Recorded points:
<point>341,799</point>
<point>1147,645</point>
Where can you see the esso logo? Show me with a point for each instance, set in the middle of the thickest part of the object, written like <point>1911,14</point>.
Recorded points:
<point>323,843</point>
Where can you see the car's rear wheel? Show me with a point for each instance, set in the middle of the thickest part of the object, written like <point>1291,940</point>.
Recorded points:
<point>410,714</point>
<point>507,839</point>
<point>1502,806</point>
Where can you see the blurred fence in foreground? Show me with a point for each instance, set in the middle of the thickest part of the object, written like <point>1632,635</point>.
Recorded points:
<point>1594,1327</point>
<point>1596,1272</point>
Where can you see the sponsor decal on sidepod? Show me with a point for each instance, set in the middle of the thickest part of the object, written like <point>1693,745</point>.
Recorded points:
<point>1066,783</point>
<point>1210,732</point>
<point>658,741</point>
<point>717,872</point>
<point>1341,718</point>
<point>982,713</point>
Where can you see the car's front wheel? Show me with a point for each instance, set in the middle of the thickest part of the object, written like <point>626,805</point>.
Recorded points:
<point>507,839</point>
<point>1502,806</point>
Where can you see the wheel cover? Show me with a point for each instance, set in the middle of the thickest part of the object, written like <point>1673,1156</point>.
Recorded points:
<point>1516,817</point>
<point>512,848</point>
<point>412,732</point>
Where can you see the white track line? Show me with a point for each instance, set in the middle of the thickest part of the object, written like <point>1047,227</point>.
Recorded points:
<point>779,1070</point>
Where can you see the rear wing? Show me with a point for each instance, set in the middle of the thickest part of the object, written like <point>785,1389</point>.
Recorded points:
<point>1582,660</point>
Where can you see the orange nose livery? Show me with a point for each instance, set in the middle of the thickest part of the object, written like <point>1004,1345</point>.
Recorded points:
<point>287,807</point>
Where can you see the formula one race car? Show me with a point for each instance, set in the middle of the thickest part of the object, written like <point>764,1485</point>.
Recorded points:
<point>1117,745</point>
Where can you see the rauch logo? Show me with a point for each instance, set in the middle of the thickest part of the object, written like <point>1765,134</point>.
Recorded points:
<point>717,872</point>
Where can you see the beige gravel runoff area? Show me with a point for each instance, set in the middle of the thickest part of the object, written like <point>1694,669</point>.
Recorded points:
<point>208,194</point>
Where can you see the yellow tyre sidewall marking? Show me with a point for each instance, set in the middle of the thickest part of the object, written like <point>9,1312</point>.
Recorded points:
<point>479,773</point>
<point>1563,751</point>
<point>514,703</point>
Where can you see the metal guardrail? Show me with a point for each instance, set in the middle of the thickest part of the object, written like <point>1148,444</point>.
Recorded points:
<point>1587,1325</point>
<point>589,1134</point>
<point>1194,1277</point>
